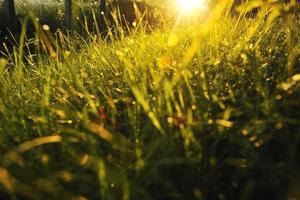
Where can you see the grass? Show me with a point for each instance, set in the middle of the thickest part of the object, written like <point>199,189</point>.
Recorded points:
<point>204,110</point>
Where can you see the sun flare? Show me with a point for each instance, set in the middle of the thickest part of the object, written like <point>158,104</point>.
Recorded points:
<point>191,5</point>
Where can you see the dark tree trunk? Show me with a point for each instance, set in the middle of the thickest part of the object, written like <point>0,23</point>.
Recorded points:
<point>71,14</point>
<point>103,6</point>
<point>10,14</point>
<point>101,25</point>
<point>68,14</point>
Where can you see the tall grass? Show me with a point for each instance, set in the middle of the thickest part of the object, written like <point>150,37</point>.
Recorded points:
<point>204,110</point>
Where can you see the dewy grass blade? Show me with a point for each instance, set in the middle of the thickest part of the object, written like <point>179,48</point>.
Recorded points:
<point>145,105</point>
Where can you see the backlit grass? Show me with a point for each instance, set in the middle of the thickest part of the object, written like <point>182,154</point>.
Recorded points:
<point>204,110</point>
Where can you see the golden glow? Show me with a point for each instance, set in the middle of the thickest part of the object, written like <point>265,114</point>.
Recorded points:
<point>192,5</point>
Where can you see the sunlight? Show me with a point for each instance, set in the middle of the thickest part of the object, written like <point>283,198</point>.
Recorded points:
<point>192,5</point>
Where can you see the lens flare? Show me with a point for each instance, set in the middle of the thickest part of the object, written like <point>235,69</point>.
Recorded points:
<point>191,5</point>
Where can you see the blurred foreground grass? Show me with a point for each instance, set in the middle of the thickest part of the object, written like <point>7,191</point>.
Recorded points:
<point>206,110</point>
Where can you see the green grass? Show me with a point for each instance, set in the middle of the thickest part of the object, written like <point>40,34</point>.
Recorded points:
<point>204,110</point>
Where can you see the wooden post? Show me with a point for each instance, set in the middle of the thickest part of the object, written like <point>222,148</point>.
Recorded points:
<point>10,14</point>
<point>68,14</point>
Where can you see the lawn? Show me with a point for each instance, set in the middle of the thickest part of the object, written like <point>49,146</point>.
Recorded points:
<point>197,109</point>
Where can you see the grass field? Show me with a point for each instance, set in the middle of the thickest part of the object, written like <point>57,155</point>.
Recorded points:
<point>206,110</point>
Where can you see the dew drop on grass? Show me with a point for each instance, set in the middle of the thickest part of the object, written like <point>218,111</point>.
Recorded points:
<point>67,54</point>
<point>65,121</point>
<point>257,144</point>
<point>46,27</point>
<point>118,90</point>
<point>218,62</point>
<point>245,132</point>
<point>181,126</point>
<point>110,82</point>
<point>252,139</point>
<point>119,53</point>
<point>225,123</point>
<point>296,77</point>
<point>202,75</point>
<point>194,107</point>
<point>278,97</point>
<point>170,120</point>
<point>287,85</point>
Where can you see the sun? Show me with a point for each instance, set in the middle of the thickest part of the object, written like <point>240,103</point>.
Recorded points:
<point>190,5</point>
